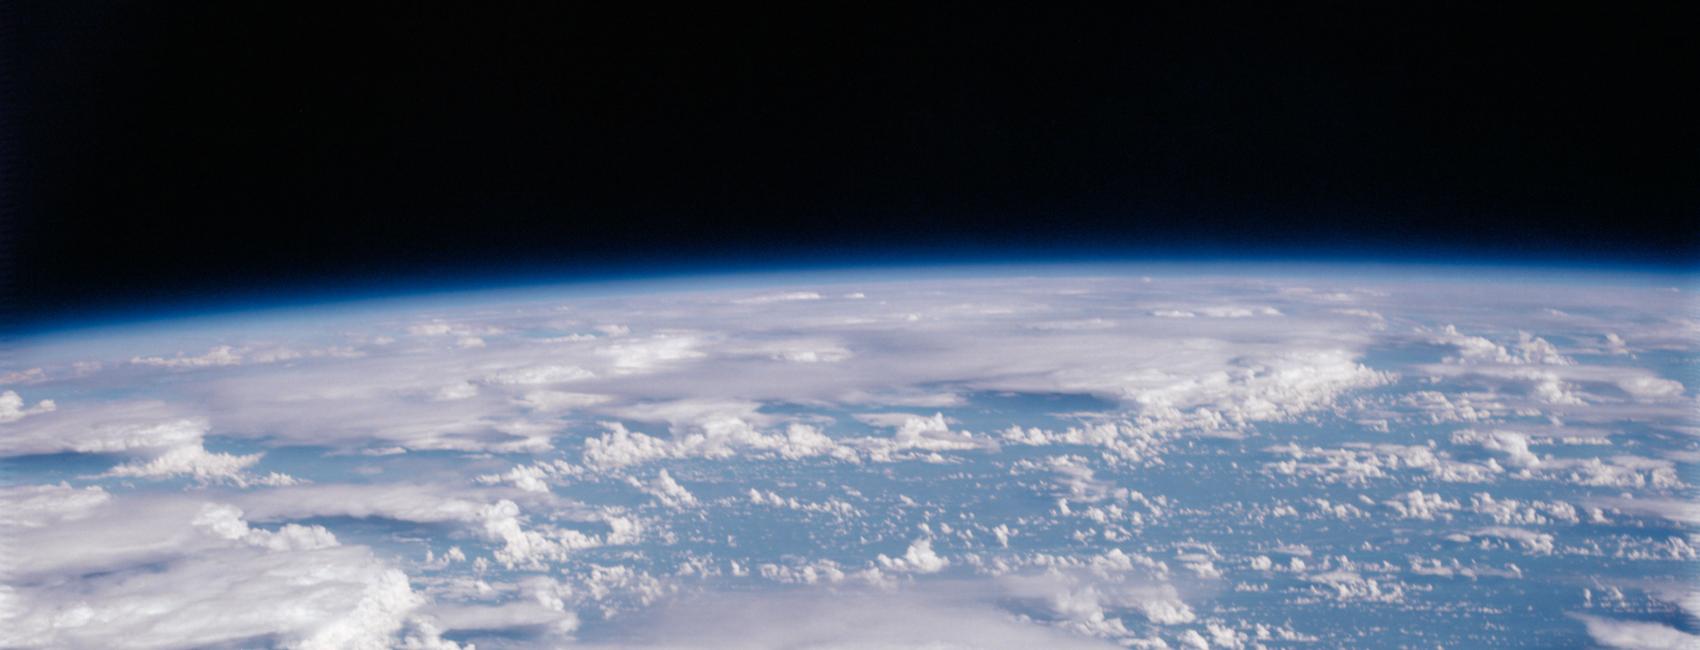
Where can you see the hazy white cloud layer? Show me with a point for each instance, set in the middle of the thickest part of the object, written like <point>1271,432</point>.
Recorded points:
<point>1181,457</point>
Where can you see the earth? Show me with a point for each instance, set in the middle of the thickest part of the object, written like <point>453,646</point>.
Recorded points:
<point>1069,456</point>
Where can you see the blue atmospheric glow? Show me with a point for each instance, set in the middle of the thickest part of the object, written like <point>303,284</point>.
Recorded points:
<point>358,294</point>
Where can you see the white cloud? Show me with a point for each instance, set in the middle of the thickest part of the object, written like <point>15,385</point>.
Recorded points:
<point>189,460</point>
<point>1362,463</point>
<point>550,401</point>
<point>1416,505</point>
<point>457,330</point>
<point>1505,511</point>
<point>1637,635</point>
<point>1088,595</point>
<point>518,541</point>
<point>667,491</point>
<point>12,407</point>
<point>1532,542</point>
<point>108,428</point>
<point>1234,311</point>
<point>1074,325</point>
<point>1682,511</point>
<point>538,375</point>
<point>844,620</point>
<point>1351,586</point>
<point>1246,390</point>
<point>34,506</point>
<point>1361,313</point>
<point>456,391</point>
<point>1650,388</point>
<point>799,351</point>
<point>1514,445</point>
<point>1527,349</point>
<point>430,329</point>
<point>222,355</point>
<point>1615,344</point>
<point>26,376</point>
<point>163,444</point>
<point>614,330</point>
<point>789,296</point>
<point>620,447</point>
<point>529,478</point>
<point>196,574</point>
<point>402,502</point>
<point>919,558</point>
<point>635,356</point>
<point>518,615</point>
<point>930,434</point>
<point>717,437</point>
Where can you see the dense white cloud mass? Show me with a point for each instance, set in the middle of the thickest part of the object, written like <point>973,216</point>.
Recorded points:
<point>1638,635</point>
<point>845,620</point>
<point>1198,457</point>
<point>155,572</point>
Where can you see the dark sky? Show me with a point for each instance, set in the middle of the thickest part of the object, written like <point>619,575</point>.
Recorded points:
<point>169,152</point>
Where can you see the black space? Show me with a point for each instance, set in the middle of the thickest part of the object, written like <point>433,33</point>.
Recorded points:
<point>163,152</point>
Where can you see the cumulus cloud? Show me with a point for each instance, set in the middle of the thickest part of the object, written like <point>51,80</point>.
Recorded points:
<point>667,491</point>
<point>1416,505</point>
<point>12,407</point>
<point>529,478</point>
<point>1532,542</point>
<point>1527,349</point>
<point>919,558</point>
<point>714,438</point>
<point>1514,445</point>
<point>189,460</point>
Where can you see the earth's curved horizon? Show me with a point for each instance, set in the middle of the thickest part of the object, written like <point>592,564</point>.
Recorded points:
<point>1085,455</point>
